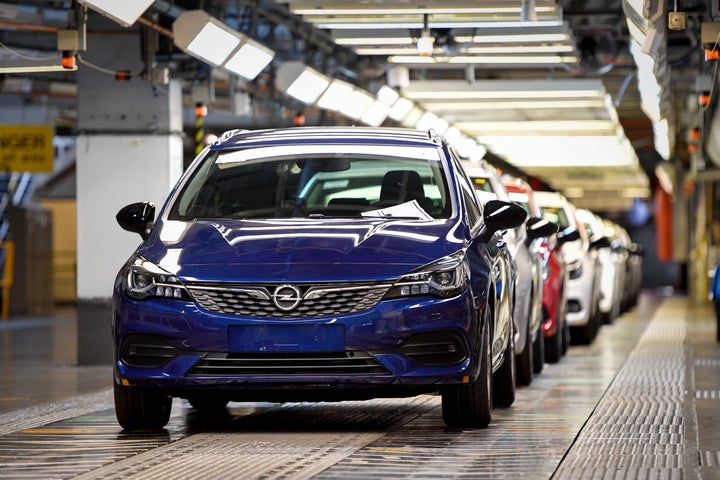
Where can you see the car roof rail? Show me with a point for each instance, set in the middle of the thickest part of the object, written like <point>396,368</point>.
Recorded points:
<point>433,136</point>
<point>228,134</point>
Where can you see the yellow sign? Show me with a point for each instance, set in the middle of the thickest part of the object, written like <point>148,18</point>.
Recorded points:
<point>26,148</point>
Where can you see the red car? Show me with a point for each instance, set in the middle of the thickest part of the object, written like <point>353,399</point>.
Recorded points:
<point>555,328</point>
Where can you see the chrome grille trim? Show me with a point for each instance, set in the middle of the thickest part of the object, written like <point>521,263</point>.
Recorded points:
<point>317,300</point>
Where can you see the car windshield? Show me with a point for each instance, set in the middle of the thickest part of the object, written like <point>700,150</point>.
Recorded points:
<point>556,215</point>
<point>316,181</point>
<point>522,200</point>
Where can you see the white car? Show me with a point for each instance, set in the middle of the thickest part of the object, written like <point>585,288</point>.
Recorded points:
<point>583,291</point>
<point>527,313</point>
<point>611,285</point>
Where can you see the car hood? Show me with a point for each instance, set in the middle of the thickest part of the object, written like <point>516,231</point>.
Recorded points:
<point>299,249</point>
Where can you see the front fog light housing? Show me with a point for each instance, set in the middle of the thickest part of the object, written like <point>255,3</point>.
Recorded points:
<point>143,279</point>
<point>576,269</point>
<point>444,278</point>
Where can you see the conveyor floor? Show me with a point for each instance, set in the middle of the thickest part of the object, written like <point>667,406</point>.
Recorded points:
<point>643,401</point>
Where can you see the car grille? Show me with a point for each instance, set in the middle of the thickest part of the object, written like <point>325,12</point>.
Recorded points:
<point>269,364</point>
<point>315,301</point>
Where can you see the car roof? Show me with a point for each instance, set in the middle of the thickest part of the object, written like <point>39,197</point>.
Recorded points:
<point>315,135</point>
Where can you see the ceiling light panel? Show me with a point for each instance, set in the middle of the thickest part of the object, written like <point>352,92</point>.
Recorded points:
<point>342,15</point>
<point>204,36</point>
<point>249,60</point>
<point>544,151</point>
<point>509,88</point>
<point>125,12</point>
<point>301,82</point>
<point>210,40</point>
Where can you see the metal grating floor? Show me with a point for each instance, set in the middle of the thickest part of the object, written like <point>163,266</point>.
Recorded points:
<point>642,402</point>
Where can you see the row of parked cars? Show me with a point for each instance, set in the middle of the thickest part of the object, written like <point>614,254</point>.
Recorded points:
<point>336,263</point>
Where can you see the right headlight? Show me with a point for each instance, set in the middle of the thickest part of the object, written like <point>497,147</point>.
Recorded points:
<point>143,279</point>
<point>444,278</point>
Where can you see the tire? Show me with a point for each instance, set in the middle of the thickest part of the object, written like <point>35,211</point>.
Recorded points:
<point>539,352</point>
<point>554,344</point>
<point>504,380</point>
<point>524,366</point>
<point>470,405</point>
<point>141,409</point>
<point>565,336</point>
<point>583,335</point>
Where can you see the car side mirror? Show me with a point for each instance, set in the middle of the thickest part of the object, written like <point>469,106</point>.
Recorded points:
<point>637,249</point>
<point>568,234</point>
<point>602,242</point>
<point>137,218</point>
<point>501,215</point>
<point>538,227</point>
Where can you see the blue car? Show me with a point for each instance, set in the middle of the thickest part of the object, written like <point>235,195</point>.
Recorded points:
<point>316,264</point>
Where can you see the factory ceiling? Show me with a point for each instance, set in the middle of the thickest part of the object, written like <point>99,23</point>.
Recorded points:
<point>590,97</point>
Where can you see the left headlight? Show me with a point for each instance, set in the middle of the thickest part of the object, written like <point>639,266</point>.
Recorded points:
<point>444,278</point>
<point>143,279</point>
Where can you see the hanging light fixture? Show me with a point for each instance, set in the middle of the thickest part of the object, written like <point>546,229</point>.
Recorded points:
<point>426,42</point>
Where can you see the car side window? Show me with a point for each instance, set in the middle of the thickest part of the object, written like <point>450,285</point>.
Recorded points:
<point>468,192</point>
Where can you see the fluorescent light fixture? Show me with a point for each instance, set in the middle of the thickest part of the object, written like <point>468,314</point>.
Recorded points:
<point>308,86</point>
<point>301,82</point>
<point>636,33</point>
<point>520,49</point>
<point>563,151</point>
<point>250,60</point>
<point>428,7</point>
<point>636,5</point>
<point>357,104</point>
<point>452,134</point>
<point>460,105</point>
<point>124,12</point>
<point>374,41</point>
<point>205,37</point>
<point>636,192</point>
<point>383,24</point>
<point>425,45</point>
<point>426,121</point>
<point>425,90</point>
<point>499,50</point>
<point>336,94</point>
<point>412,118</point>
<point>661,136</point>
<point>540,127</point>
<point>401,109</point>
<point>470,150</point>
<point>485,59</point>
<point>376,114</point>
<point>210,40</point>
<point>387,95</point>
<point>36,69</point>
<point>440,126</point>
<point>574,192</point>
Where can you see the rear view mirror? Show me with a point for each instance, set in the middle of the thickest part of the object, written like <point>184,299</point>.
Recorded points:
<point>602,242</point>
<point>538,227</point>
<point>568,234</point>
<point>332,164</point>
<point>500,215</point>
<point>137,218</point>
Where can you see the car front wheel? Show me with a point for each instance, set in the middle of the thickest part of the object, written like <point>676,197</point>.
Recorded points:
<point>141,409</point>
<point>470,405</point>
<point>504,379</point>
